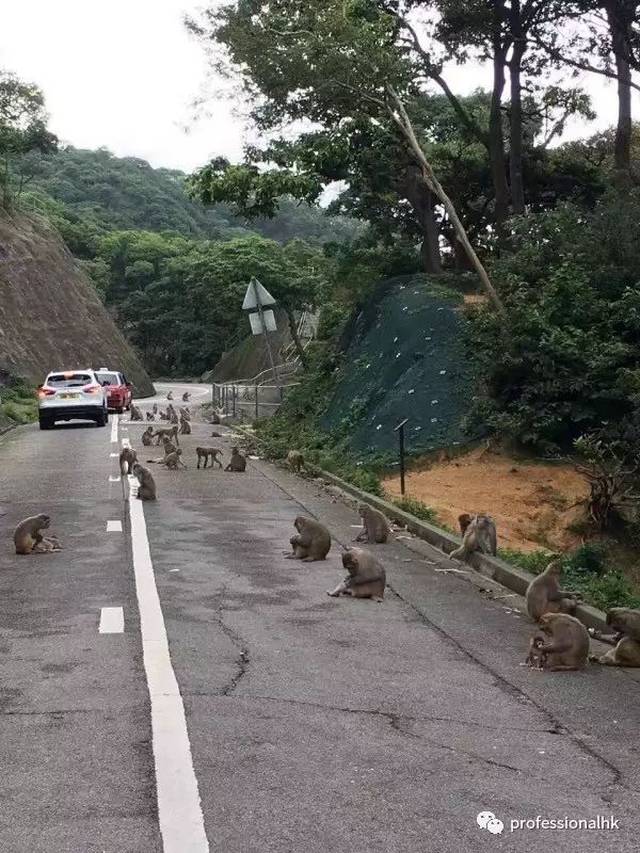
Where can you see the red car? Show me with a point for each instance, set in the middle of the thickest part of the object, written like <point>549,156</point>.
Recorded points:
<point>119,391</point>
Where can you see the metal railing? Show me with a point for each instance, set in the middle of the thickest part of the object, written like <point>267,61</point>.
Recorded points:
<point>248,401</point>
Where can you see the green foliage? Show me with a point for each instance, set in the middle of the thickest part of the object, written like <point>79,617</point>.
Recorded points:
<point>18,402</point>
<point>417,508</point>
<point>531,561</point>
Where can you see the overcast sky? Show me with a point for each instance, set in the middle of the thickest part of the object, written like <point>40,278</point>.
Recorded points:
<point>123,74</point>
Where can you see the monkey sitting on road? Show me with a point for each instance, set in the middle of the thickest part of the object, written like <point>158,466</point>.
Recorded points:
<point>147,437</point>
<point>164,416</point>
<point>215,434</point>
<point>185,413</point>
<point>170,432</point>
<point>566,645</point>
<point>170,395</point>
<point>215,418</point>
<point>295,460</point>
<point>186,396</point>
<point>237,462</point>
<point>128,458</point>
<point>626,624</point>
<point>312,542</point>
<point>375,527</point>
<point>28,538</point>
<point>366,579</point>
<point>207,453</point>
<point>536,658</point>
<point>135,414</point>
<point>155,409</point>
<point>545,596</point>
<point>172,460</point>
<point>151,416</point>
<point>173,417</point>
<point>147,488</point>
<point>478,534</point>
<point>185,426</point>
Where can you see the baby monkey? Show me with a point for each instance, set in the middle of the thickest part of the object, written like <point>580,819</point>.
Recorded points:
<point>28,538</point>
<point>366,579</point>
<point>536,658</point>
<point>209,453</point>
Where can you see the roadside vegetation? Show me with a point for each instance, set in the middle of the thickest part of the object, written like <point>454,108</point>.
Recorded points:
<point>18,403</point>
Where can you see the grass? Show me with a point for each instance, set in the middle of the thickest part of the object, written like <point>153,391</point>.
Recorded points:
<point>417,508</point>
<point>18,402</point>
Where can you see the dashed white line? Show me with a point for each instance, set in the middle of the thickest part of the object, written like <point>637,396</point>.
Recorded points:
<point>179,806</point>
<point>111,620</point>
<point>114,479</point>
<point>114,455</point>
<point>114,429</point>
<point>114,526</point>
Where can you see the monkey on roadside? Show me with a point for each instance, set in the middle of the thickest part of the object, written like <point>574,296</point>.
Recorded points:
<point>207,453</point>
<point>375,527</point>
<point>169,432</point>
<point>168,446</point>
<point>215,434</point>
<point>28,538</point>
<point>544,594</point>
<point>626,624</point>
<point>155,409</point>
<point>238,462</point>
<point>170,395</point>
<point>536,658</point>
<point>164,416</point>
<point>312,541</point>
<point>172,460</point>
<point>185,427</point>
<point>186,396</point>
<point>185,413</point>
<point>366,579</point>
<point>295,460</point>
<point>147,437</point>
<point>215,418</point>
<point>147,488</point>
<point>478,534</point>
<point>135,414</point>
<point>173,417</point>
<point>566,645</point>
<point>151,416</point>
<point>128,458</point>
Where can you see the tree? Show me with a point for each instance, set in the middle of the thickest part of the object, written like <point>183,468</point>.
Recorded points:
<point>23,130</point>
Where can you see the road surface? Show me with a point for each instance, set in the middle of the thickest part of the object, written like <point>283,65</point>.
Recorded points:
<point>247,711</point>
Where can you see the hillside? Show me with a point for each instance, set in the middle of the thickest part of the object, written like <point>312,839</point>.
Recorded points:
<point>50,314</point>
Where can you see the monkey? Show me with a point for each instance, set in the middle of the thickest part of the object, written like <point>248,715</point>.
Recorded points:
<point>151,416</point>
<point>312,542</point>
<point>185,413</point>
<point>155,409</point>
<point>215,419</point>
<point>295,460</point>
<point>172,460</point>
<point>128,458</point>
<point>29,540</point>
<point>170,395</point>
<point>164,416</point>
<point>215,434</point>
<point>238,462</point>
<point>207,453</point>
<point>536,658</point>
<point>626,624</point>
<point>375,527</point>
<point>185,427</point>
<point>186,396</point>
<point>169,432</point>
<point>545,596</point>
<point>366,579</point>
<point>147,437</point>
<point>168,445</point>
<point>566,645</point>
<point>147,488</point>
<point>478,534</point>
<point>173,417</point>
<point>135,414</point>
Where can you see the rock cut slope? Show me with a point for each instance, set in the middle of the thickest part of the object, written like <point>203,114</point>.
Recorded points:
<point>50,314</point>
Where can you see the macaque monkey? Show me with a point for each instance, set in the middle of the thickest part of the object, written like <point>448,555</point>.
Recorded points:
<point>186,396</point>
<point>185,426</point>
<point>295,460</point>
<point>536,658</point>
<point>135,414</point>
<point>566,645</point>
<point>215,434</point>
<point>185,413</point>
<point>147,487</point>
<point>173,417</point>
<point>237,462</point>
<point>366,579</point>
<point>207,453</point>
<point>169,432</point>
<point>147,437</point>
<point>172,460</point>
<point>168,446</point>
<point>478,534</point>
<point>170,395</point>
<point>375,527</point>
<point>312,541</point>
<point>626,624</point>
<point>155,409</point>
<point>28,538</point>
<point>151,416</point>
<point>545,596</point>
<point>128,458</point>
<point>164,416</point>
<point>215,418</point>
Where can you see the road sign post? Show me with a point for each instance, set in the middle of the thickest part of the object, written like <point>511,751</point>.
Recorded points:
<point>400,430</point>
<point>258,297</point>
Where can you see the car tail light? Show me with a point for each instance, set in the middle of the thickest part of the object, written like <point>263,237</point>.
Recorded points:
<point>45,392</point>
<point>92,389</point>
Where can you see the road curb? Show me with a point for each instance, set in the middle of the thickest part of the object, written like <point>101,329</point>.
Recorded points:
<point>509,576</point>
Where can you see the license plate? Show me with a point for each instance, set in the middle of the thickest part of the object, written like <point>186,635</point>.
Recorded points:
<point>69,396</point>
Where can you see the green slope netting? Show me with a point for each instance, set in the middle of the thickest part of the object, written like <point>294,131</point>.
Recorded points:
<point>405,360</point>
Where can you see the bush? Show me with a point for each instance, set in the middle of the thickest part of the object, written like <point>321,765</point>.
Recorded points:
<point>417,508</point>
<point>18,401</point>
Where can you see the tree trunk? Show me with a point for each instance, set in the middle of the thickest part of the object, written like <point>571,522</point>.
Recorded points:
<point>620,32</point>
<point>422,200</point>
<point>293,328</point>
<point>496,138</point>
<point>515,147</point>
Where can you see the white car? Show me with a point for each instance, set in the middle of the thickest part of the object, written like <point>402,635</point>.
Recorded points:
<point>67,395</point>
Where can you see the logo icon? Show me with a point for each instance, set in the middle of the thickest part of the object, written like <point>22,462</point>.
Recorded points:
<point>487,820</point>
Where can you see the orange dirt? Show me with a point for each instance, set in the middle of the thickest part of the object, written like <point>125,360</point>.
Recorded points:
<point>532,503</point>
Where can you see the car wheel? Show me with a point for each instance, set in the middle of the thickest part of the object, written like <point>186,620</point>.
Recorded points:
<point>102,419</point>
<point>119,410</point>
<point>46,423</point>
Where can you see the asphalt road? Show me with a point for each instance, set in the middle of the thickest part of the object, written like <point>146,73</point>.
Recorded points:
<point>314,724</point>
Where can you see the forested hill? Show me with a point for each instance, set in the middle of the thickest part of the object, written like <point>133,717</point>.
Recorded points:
<point>126,193</point>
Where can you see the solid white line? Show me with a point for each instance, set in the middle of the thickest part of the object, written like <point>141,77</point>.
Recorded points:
<point>114,526</point>
<point>179,806</point>
<point>114,429</point>
<point>111,620</point>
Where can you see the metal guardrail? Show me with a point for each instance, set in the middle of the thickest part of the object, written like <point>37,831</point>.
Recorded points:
<point>247,400</point>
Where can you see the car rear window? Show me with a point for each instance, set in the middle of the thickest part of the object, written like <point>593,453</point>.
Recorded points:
<point>111,378</point>
<point>69,380</point>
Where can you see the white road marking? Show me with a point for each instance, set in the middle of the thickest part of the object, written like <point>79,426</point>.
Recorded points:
<point>114,429</point>
<point>114,455</point>
<point>179,806</point>
<point>114,479</point>
<point>114,526</point>
<point>111,620</point>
